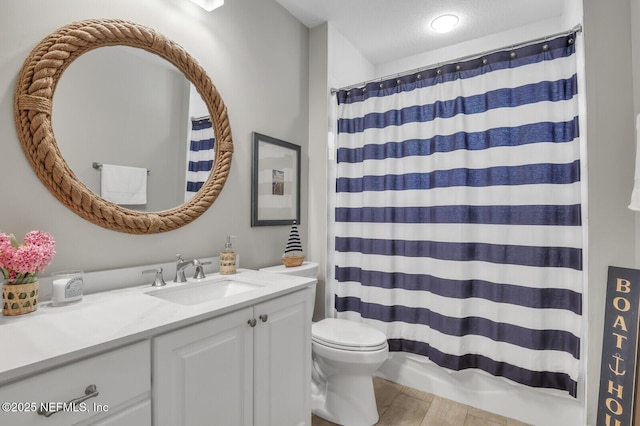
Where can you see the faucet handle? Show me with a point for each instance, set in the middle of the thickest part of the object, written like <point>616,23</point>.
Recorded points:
<point>159,279</point>
<point>199,274</point>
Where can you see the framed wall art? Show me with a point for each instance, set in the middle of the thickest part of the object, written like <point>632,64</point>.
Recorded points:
<point>275,182</point>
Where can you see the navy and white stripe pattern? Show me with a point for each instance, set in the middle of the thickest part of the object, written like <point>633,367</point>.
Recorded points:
<point>458,214</point>
<point>294,243</point>
<point>201,154</point>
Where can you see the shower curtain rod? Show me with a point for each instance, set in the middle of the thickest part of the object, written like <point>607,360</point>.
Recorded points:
<point>576,29</point>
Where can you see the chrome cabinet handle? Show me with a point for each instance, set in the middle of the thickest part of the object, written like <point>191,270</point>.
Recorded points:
<point>90,392</point>
<point>264,317</point>
<point>252,322</point>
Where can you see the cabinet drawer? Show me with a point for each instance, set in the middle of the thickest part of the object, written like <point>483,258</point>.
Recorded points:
<point>119,376</point>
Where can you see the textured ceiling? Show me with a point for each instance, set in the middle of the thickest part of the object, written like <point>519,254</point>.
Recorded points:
<point>386,30</point>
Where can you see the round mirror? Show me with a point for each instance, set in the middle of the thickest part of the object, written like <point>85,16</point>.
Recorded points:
<point>59,164</point>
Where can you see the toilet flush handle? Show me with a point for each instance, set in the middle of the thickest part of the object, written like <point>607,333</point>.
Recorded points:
<point>264,317</point>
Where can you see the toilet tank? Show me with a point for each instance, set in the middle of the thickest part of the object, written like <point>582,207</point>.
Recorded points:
<point>307,269</point>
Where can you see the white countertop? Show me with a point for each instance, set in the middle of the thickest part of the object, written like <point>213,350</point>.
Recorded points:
<point>53,336</point>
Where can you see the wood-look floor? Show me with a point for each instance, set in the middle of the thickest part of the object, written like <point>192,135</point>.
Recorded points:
<point>403,406</point>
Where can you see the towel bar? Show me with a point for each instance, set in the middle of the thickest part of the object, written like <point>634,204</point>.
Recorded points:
<point>98,166</point>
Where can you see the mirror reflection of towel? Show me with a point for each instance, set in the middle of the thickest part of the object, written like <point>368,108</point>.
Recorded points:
<point>124,185</point>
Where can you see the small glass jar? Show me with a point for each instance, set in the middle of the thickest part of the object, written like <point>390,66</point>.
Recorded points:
<point>67,287</point>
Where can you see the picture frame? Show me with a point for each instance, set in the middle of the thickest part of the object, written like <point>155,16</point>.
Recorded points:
<point>275,182</point>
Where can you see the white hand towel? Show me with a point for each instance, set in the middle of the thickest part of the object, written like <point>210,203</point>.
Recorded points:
<point>124,185</point>
<point>635,195</point>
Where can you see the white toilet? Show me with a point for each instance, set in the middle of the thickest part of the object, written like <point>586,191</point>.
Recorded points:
<point>346,354</point>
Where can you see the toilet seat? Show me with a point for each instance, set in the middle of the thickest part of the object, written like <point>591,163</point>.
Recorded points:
<point>350,348</point>
<point>347,335</point>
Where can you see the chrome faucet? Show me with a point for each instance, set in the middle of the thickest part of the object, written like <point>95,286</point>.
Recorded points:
<point>181,265</point>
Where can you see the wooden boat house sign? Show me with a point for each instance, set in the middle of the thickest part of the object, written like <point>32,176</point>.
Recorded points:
<point>616,400</point>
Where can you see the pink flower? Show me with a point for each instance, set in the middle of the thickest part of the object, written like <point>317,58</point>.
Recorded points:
<point>5,241</point>
<point>21,263</point>
<point>39,238</point>
<point>6,250</point>
<point>46,245</point>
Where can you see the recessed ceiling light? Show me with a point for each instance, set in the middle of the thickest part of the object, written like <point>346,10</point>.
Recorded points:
<point>444,23</point>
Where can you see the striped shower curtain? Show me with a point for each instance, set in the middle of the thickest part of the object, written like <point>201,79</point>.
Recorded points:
<point>458,213</point>
<point>201,155</point>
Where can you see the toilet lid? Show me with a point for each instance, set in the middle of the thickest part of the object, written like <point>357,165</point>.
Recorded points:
<point>347,335</point>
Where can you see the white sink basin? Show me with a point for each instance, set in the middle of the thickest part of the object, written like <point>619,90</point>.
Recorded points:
<point>193,293</point>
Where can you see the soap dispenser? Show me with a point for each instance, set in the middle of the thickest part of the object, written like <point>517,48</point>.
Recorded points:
<point>228,258</point>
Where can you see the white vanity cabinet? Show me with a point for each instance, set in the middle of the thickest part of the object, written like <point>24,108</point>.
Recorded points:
<point>248,367</point>
<point>113,388</point>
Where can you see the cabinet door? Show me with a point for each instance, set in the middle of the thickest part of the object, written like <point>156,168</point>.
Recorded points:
<point>203,374</point>
<point>282,360</point>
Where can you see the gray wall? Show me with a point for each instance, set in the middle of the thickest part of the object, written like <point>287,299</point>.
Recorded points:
<point>610,161</point>
<point>257,56</point>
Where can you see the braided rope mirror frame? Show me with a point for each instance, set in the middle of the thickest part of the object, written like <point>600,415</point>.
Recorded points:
<point>33,103</point>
